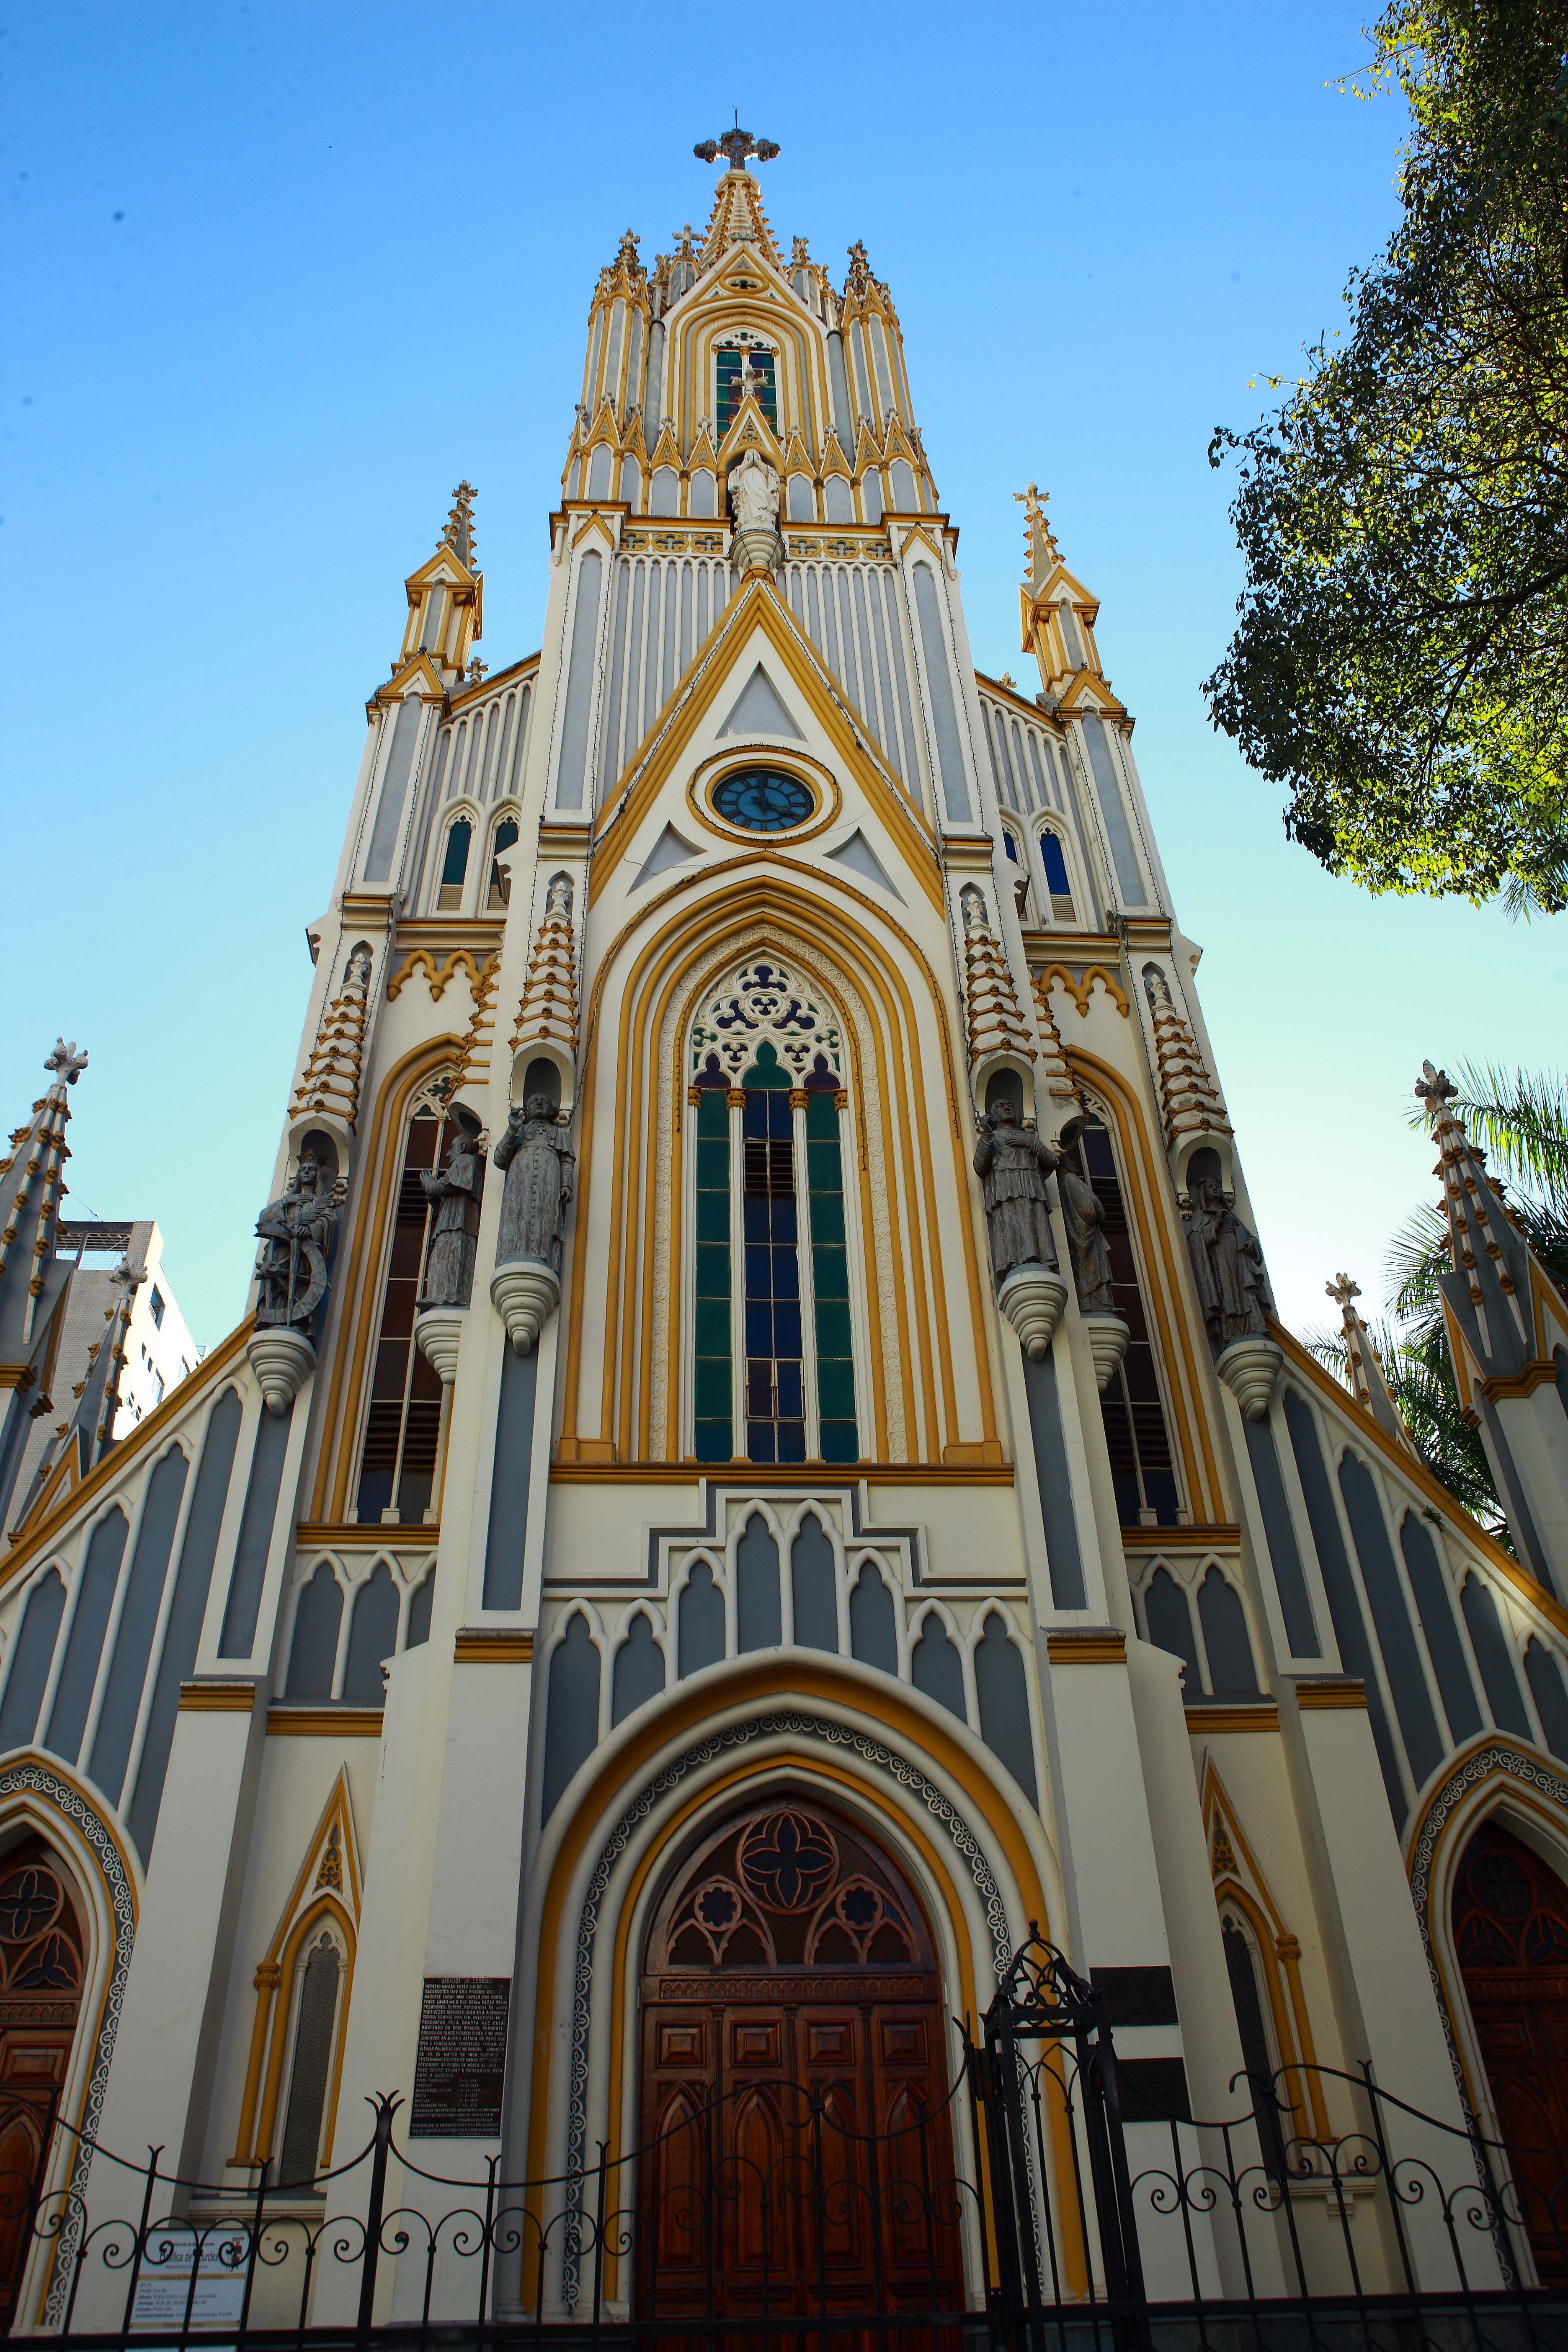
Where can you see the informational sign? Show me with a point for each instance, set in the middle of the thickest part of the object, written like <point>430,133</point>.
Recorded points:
<point>218,2256</point>
<point>462,2059</point>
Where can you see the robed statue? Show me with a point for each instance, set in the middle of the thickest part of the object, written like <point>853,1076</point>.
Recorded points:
<point>454,1192</point>
<point>295,1234</point>
<point>1013,1163</point>
<point>753,487</point>
<point>540,1166</point>
<point>1083,1213</point>
<point>1233,1289</point>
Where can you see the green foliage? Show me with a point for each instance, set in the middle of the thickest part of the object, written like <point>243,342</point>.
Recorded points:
<point>1401,662</point>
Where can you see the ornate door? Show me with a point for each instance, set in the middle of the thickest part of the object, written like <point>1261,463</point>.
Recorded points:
<point>793,2081</point>
<point>40,1998</point>
<point>1510,1929</point>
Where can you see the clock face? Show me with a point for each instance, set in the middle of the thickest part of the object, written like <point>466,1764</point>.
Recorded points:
<point>763,800</point>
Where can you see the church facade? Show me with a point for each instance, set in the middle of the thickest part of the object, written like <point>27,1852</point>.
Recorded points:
<point>760,1467</point>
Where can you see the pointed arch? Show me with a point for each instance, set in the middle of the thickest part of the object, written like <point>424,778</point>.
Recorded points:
<point>1239,1882</point>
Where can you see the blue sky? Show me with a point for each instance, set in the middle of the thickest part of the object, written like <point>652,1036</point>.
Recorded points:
<point>274,275</point>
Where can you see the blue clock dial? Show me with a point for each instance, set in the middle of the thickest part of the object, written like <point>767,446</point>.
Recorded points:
<point>763,800</point>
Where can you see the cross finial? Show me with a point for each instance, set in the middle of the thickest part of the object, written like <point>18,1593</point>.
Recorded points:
<point>1342,1290</point>
<point>66,1062</point>
<point>1435,1089</point>
<point>735,146</point>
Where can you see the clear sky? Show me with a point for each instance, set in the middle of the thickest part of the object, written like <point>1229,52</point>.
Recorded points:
<point>276,275</point>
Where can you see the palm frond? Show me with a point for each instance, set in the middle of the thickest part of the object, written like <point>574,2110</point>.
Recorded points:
<point>1330,1348</point>
<point>1417,1255</point>
<point>1521,1117</point>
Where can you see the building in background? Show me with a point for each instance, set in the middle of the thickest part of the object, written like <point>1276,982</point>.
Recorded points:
<point>761,1463</point>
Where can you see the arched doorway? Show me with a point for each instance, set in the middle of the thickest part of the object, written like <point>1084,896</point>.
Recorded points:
<point>42,1956</point>
<point>1511,1933</point>
<point>794,2080</point>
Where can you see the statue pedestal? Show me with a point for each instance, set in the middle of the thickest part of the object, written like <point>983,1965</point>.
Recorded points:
<point>1250,1370</point>
<point>525,1293</point>
<point>282,1361</point>
<point>757,551</point>
<point>1108,1338</point>
<point>1032,1299</point>
<point>439,1330</point>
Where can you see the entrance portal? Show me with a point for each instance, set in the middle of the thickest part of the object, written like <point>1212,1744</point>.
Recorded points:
<point>41,1956</point>
<point>795,2084</point>
<point>1510,1930</point>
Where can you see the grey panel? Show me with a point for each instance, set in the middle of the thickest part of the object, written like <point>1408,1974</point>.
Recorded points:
<point>758,711</point>
<point>1129,878</point>
<point>840,500</point>
<point>909,767</point>
<point>183,1633</point>
<point>759,1604</point>
<point>255,1535</point>
<point>1344,1607</point>
<point>813,1586</point>
<point>1391,1618</point>
<point>610,764</point>
<point>84,1643</point>
<point>30,1666</point>
<point>905,498</point>
<point>1065,1559</point>
<point>313,1650</point>
<point>579,684</point>
<point>843,415</point>
<point>393,788</point>
<point>1003,1694</point>
<point>699,495</point>
<point>945,715</point>
<point>664,494</point>
<point>668,850</point>
<point>1231,1668</point>
<point>1170,1623</point>
<point>858,854</point>
<point>1545,1679</point>
<point>873,1629</point>
<point>700,1635</point>
<point>420,1602</point>
<point>373,1635</point>
<point>1435,1608</point>
<point>936,1669</point>
<point>313,2064</point>
<point>572,1724</point>
<point>509,1487</point>
<point>1284,1553</point>
<point>871,505</point>
<point>802,500</point>
<point>638,1671</point>
<point>138,1623</point>
<point>631,481</point>
<point>1495,1658</point>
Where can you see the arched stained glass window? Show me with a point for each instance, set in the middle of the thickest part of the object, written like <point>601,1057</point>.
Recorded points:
<point>1131,1404</point>
<point>403,1425</point>
<point>499,894</point>
<point>1053,857</point>
<point>454,867</point>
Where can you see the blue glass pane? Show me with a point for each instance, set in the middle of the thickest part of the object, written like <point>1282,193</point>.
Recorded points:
<point>764,799</point>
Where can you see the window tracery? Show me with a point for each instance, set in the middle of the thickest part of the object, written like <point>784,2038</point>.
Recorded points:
<point>788,1889</point>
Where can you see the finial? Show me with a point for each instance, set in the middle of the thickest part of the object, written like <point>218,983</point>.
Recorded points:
<point>1342,1290</point>
<point>66,1062</point>
<point>126,1277</point>
<point>459,534</point>
<point>1435,1089</point>
<point>735,146</point>
<point>683,242</point>
<point>799,255</point>
<point>477,669</point>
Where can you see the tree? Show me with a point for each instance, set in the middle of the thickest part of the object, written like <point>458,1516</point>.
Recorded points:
<point>1401,662</point>
<point>1521,1119</point>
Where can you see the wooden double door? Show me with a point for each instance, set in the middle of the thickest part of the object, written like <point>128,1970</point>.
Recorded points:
<point>41,1949</point>
<point>798,2148</point>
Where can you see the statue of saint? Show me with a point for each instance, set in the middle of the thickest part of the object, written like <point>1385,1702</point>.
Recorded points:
<point>540,1166</point>
<point>1013,1165</point>
<point>558,900</point>
<point>1233,1289</point>
<point>454,1237</point>
<point>754,489</point>
<point>296,1232</point>
<point>1084,1216</point>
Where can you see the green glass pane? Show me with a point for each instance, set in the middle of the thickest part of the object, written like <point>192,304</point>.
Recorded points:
<point>767,1072</point>
<point>821,1116</point>
<point>714,1443</point>
<point>827,1218</point>
<point>713,1167</point>
<point>712,1327</point>
<point>831,1328</point>
<point>711,1386</point>
<point>834,1388</point>
<point>830,1272</point>
<point>713,1217</point>
<point>840,1441</point>
<point>713,1270</point>
<point>712,1112</point>
<point>824,1172</point>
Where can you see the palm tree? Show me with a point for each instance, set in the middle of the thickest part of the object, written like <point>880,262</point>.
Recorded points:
<point>1519,1119</point>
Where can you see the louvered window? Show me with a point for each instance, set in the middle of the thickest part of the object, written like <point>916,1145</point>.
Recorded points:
<point>1131,1405</point>
<point>403,1425</point>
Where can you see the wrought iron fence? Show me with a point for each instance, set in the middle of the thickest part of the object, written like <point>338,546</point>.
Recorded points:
<point>1036,2209</point>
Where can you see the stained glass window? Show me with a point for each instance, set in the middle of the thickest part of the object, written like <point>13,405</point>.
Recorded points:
<point>742,372</point>
<point>1131,1405</point>
<point>712,1398</point>
<point>403,1426</point>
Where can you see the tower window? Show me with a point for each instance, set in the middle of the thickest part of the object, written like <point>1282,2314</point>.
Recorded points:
<point>155,1307</point>
<point>776,1369</point>
<point>1053,857</point>
<point>454,866</point>
<point>398,1468</point>
<point>1130,1406</point>
<point>498,895</point>
<point>742,372</point>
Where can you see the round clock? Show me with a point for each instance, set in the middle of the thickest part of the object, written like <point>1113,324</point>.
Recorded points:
<point>763,800</point>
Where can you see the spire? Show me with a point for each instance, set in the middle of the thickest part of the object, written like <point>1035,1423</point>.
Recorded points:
<point>459,534</point>
<point>1367,1377</point>
<point>32,1186</point>
<point>1490,1289</point>
<point>91,1426</point>
<point>1039,539</point>
<point>446,604</point>
<point>1189,1100</point>
<point>738,218</point>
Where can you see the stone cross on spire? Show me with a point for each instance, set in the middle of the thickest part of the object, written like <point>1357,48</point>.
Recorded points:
<point>66,1062</point>
<point>1342,1290</point>
<point>1435,1089</point>
<point>735,146</point>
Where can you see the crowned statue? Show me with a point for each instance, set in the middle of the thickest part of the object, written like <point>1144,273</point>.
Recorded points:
<point>296,1233</point>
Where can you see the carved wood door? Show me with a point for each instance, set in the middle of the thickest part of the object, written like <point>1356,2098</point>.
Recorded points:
<point>40,1999</point>
<point>793,2081</point>
<point>1510,1929</point>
